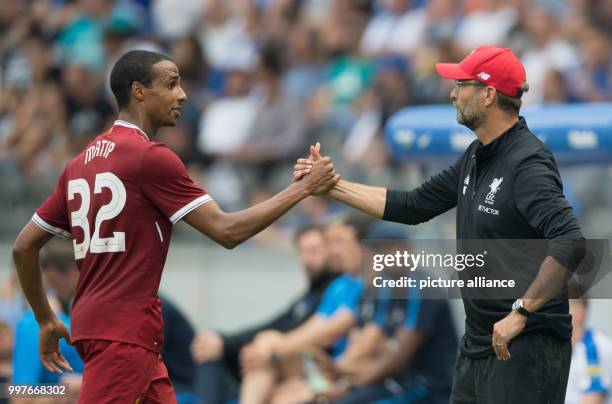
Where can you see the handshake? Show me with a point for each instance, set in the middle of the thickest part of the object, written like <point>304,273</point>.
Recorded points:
<point>315,173</point>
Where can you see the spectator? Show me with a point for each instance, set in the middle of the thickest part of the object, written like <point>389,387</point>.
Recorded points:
<point>60,275</point>
<point>12,303</point>
<point>6,354</point>
<point>87,110</point>
<point>491,22</point>
<point>326,329</point>
<point>178,335</point>
<point>401,348</point>
<point>395,348</point>
<point>306,60</point>
<point>33,113</point>
<point>225,38</point>
<point>81,40</point>
<point>591,368</point>
<point>278,127</point>
<point>218,355</point>
<point>593,78</point>
<point>397,28</point>
<point>548,51</point>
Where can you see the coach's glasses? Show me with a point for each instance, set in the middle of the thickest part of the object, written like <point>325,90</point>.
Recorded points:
<point>465,83</point>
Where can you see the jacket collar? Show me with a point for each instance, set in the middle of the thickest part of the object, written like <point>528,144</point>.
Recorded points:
<point>486,152</point>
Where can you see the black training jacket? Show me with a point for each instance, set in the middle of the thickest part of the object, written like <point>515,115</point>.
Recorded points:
<point>508,189</point>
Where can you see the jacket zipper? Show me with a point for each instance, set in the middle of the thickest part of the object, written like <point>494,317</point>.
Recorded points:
<point>475,189</point>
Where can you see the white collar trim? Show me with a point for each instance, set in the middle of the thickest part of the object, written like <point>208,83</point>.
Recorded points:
<point>130,125</point>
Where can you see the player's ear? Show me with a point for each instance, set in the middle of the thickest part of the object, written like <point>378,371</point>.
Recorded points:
<point>138,91</point>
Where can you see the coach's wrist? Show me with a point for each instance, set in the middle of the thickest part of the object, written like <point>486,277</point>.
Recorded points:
<point>518,317</point>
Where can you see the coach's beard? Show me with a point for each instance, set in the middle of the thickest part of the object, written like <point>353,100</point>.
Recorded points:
<point>469,116</point>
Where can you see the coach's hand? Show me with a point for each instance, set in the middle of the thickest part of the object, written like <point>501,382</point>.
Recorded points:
<point>48,340</point>
<point>504,331</point>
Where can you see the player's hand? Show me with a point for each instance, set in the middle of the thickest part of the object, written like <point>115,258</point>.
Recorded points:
<point>304,166</point>
<point>207,346</point>
<point>322,176</point>
<point>48,340</point>
<point>504,331</point>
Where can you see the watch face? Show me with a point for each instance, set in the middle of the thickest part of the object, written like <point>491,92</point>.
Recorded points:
<point>516,304</point>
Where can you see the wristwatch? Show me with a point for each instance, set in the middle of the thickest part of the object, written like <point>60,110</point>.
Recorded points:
<point>518,307</point>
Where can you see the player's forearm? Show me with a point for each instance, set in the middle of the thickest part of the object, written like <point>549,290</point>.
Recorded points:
<point>26,263</point>
<point>549,280</point>
<point>368,199</point>
<point>246,223</point>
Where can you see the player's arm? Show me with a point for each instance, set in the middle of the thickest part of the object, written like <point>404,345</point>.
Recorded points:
<point>25,254</point>
<point>368,199</point>
<point>231,229</point>
<point>432,198</point>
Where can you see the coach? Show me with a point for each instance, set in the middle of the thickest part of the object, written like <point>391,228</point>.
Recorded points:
<point>505,186</point>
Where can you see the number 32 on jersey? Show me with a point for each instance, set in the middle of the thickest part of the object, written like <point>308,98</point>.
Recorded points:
<point>94,243</point>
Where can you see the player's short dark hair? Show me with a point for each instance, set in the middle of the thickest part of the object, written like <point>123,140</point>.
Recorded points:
<point>512,104</point>
<point>307,229</point>
<point>133,66</point>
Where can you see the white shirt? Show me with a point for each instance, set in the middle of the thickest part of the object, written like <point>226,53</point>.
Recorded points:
<point>484,27</point>
<point>389,33</point>
<point>556,55</point>
<point>591,368</point>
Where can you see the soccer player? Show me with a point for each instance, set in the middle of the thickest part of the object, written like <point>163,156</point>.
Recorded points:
<point>118,200</point>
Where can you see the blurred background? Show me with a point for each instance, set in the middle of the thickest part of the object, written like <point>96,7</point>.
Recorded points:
<point>266,78</point>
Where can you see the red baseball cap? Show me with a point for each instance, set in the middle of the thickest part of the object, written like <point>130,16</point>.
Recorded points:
<point>491,65</point>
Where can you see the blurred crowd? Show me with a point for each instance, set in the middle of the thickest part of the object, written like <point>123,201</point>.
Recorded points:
<point>265,78</point>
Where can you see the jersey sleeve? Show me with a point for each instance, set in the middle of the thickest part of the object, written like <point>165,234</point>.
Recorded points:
<point>165,182</point>
<point>52,215</point>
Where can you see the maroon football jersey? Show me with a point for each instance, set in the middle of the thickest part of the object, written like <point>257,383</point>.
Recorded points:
<point>118,201</point>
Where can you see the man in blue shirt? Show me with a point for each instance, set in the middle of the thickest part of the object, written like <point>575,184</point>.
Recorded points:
<point>326,329</point>
<point>60,275</point>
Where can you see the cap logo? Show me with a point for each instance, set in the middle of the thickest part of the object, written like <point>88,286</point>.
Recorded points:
<point>484,76</point>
